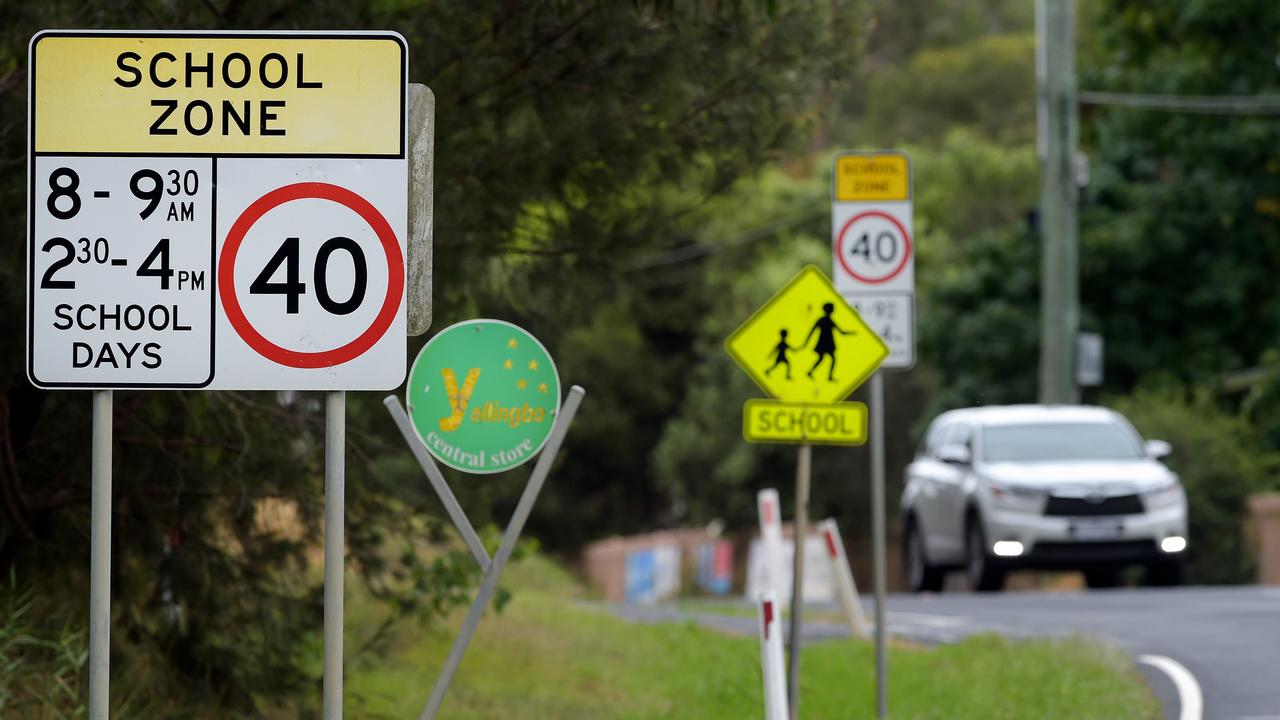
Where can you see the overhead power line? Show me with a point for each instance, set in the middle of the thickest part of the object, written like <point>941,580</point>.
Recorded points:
<point>1198,104</point>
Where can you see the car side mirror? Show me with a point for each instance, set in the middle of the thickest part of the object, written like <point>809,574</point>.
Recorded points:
<point>955,454</point>
<point>1157,449</point>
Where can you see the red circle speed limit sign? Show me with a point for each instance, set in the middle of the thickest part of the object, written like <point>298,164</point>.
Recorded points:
<point>311,275</point>
<point>873,247</point>
<point>343,322</point>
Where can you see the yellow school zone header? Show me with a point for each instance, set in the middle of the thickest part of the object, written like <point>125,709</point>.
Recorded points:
<point>215,93</point>
<point>806,344</point>
<point>873,177</point>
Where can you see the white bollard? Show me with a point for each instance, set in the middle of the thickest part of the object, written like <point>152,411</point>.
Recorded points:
<point>772,666</point>
<point>846,589</point>
<point>771,544</point>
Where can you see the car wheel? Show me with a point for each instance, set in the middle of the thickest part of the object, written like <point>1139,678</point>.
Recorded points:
<point>1100,578</point>
<point>1164,573</point>
<point>984,572</point>
<point>921,576</point>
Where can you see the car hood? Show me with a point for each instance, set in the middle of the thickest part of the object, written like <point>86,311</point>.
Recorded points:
<point>1080,477</point>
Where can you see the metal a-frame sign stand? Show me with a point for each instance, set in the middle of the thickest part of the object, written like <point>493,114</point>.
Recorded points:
<point>492,568</point>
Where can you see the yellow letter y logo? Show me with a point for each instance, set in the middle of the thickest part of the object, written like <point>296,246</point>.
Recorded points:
<point>457,400</point>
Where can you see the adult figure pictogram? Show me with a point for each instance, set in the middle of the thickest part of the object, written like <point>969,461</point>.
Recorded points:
<point>826,329</point>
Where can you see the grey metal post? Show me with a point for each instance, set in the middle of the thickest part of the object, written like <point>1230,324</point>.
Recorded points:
<point>509,538</point>
<point>335,440</point>
<point>801,531</point>
<point>878,537</point>
<point>437,480</point>
<point>100,560</point>
<point>1059,267</point>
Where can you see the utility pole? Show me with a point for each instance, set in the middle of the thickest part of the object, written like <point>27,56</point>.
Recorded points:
<point>1057,137</point>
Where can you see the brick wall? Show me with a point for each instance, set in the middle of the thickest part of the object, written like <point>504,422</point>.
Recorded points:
<point>1264,511</point>
<point>604,562</point>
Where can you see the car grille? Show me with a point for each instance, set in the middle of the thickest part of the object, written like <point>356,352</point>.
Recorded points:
<point>1084,552</point>
<point>1085,507</point>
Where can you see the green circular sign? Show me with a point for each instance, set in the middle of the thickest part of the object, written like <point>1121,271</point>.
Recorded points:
<point>483,395</point>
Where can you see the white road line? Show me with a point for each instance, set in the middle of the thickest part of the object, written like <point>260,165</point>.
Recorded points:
<point>1189,697</point>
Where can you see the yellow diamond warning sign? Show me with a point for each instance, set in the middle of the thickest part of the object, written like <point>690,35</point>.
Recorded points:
<point>807,345</point>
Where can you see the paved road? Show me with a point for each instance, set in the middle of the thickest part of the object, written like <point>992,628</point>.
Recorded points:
<point>1229,638</point>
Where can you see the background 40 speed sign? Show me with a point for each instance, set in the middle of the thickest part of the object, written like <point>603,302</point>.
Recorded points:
<point>234,215</point>
<point>873,245</point>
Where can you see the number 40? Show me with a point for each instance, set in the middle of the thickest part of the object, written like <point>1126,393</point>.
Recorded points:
<point>886,247</point>
<point>292,288</point>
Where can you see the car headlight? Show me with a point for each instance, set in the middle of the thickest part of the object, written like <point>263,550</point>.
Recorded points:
<point>1015,497</point>
<point>1163,496</point>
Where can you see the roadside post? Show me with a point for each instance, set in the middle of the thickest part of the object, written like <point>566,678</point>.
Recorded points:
<point>846,588</point>
<point>873,259</point>
<point>772,669</point>
<point>244,230</point>
<point>834,351</point>
<point>770,510</point>
<point>422,146</point>
<point>483,397</point>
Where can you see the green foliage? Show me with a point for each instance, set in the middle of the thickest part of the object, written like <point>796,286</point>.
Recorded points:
<point>1182,226</point>
<point>941,88</point>
<point>902,29</point>
<point>1220,462</point>
<point>1262,403</point>
<point>964,186</point>
<point>40,669</point>
<point>981,326</point>
<point>44,663</point>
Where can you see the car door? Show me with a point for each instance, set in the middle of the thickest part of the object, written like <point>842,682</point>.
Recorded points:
<point>922,488</point>
<point>950,480</point>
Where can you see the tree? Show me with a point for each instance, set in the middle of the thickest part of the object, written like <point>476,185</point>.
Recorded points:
<point>1182,224</point>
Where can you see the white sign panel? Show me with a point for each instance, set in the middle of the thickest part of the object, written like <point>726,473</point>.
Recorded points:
<point>217,210</point>
<point>873,246</point>
<point>893,317</point>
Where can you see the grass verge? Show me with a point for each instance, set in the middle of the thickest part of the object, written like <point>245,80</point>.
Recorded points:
<point>546,657</point>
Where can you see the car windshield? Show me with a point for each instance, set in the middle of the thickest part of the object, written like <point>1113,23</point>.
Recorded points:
<point>1045,442</point>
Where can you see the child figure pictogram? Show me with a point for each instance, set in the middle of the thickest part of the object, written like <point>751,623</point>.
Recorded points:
<point>826,329</point>
<point>780,354</point>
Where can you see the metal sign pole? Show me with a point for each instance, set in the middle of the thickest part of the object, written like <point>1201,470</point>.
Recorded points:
<point>509,538</point>
<point>878,536</point>
<point>100,561</point>
<point>801,531</point>
<point>335,439</point>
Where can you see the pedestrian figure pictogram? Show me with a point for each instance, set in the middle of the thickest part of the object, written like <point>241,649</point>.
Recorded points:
<point>780,353</point>
<point>826,329</point>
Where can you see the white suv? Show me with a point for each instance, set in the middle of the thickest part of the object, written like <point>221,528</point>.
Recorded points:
<point>994,489</point>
